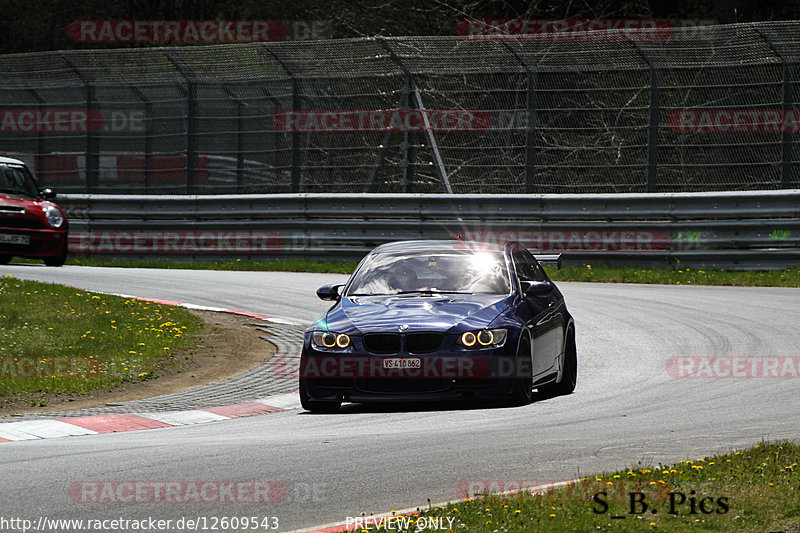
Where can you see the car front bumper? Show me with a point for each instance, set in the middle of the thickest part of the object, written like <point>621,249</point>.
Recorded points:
<point>361,378</point>
<point>42,242</point>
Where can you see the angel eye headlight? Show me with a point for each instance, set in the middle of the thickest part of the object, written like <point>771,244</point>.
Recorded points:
<point>329,339</point>
<point>342,340</point>
<point>468,338</point>
<point>482,338</point>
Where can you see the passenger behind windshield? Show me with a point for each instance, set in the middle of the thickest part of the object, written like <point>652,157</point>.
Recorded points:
<point>481,273</point>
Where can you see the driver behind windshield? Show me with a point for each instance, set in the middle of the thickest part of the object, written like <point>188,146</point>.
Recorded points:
<point>455,273</point>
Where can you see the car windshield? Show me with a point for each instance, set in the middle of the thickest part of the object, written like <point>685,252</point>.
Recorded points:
<point>16,179</point>
<point>424,272</point>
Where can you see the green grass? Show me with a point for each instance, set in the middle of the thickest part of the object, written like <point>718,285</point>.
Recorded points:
<point>61,339</point>
<point>684,276</point>
<point>753,490</point>
<point>593,273</point>
<point>284,265</point>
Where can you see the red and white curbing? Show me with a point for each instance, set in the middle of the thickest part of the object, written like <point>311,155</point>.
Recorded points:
<point>258,316</point>
<point>112,423</point>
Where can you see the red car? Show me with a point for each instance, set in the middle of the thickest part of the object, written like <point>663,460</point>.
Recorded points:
<point>31,226</point>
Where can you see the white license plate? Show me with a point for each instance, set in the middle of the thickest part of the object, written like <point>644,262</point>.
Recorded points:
<point>402,362</point>
<point>15,239</point>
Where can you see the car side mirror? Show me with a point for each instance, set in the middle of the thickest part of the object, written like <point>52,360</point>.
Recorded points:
<point>329,292</point>
<point>47,194</point>
<point>537,289</point>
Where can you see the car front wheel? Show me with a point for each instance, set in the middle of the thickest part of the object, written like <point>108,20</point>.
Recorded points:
<point>57,260</point>
<point>316,406</point>
<point>522,390</point>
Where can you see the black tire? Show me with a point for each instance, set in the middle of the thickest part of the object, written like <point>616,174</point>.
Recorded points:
<point>569,377</point>
<point>57,260</point>
<point>4,259</point>
<point>315,406</point>
<point>522,390</point>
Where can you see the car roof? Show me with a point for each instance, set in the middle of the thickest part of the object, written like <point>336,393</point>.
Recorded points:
<point>10,161</point>
<point>437,246</point>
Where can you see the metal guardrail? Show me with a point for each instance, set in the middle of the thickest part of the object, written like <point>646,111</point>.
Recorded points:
<point>733,230</point>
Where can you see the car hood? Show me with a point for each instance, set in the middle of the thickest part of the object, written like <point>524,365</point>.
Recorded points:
<point>21,200</point>
<point>428,313</point>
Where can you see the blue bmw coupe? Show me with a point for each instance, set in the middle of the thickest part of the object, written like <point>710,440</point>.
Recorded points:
<point>440,320</point>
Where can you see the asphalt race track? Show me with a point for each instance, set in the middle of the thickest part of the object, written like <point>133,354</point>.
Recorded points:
<point>626,408</point>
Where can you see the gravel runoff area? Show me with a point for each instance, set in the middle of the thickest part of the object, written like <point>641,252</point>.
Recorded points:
<point>257,383</point>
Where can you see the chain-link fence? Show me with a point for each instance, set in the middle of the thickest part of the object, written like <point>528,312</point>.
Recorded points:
<point>696,109</point>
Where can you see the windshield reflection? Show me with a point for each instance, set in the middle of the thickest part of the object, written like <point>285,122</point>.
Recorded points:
<point>15,179</point>
<point>452,272</point>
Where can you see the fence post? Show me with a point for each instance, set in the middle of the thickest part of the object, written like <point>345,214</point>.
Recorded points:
<point>652,130</point>
<point>295,157</point>
<point>239,141</point>
<point>192,158</point>
<point>92,150</point>
<point>295,135</point>
<point>41,160</point>
<point>530,118</point>
<point>438,162</point>
<point>530,132</point>
<point>652,120</point>
<point>409,153</point>
<point>787,75</point>
<point>148,144</point>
